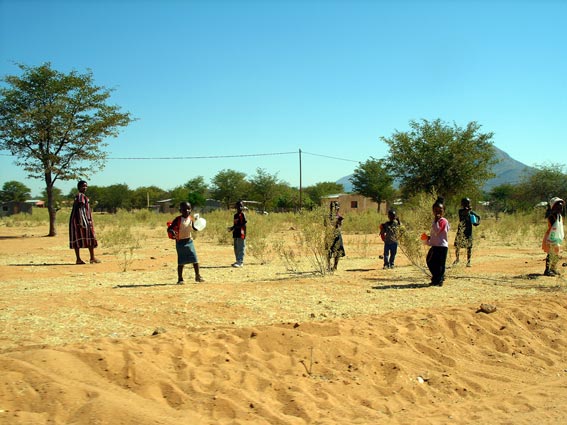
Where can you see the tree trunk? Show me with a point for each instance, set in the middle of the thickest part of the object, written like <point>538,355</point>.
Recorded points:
<point>51,208</point>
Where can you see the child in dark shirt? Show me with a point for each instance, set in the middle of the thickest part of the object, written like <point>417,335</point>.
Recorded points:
<point>464,239</point>
<point>238,230</point>
<point>389,232</point>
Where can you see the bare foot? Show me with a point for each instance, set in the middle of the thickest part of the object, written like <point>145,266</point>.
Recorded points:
<point>80,262</point>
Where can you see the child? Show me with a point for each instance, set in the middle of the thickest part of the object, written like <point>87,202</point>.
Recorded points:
<point>389,232</point>
<point>438,240</point>
<point>336,247</point>
<point>238,230</point>
<point>180,229</point>
<point>554,236</point>
<point>467,219</point>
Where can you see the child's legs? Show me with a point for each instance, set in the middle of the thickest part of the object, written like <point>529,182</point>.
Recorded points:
<point>442,261</point>
<point>393,252</point>
<point>180,272</point>
<point>386,254</point>
<point>436,258</point>
<point>336,264</point>
<point>239,249</point>
<point>196,268</point>
<point>469,248</point>
<point>552,259</point>
<point>430,261</point>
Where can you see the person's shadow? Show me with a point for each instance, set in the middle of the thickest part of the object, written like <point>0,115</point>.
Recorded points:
<point>145,285</point>
<point>411,284</point>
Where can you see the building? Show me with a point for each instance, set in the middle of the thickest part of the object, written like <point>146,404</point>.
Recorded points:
<point>15,207</point>
<point>354,202</point>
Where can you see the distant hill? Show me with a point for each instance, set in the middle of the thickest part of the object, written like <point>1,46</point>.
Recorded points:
<point>508,170</point>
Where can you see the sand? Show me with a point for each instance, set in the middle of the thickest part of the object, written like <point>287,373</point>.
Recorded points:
<point>94,344</point>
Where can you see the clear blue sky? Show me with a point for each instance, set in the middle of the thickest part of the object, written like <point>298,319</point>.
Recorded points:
<point>220,78</point>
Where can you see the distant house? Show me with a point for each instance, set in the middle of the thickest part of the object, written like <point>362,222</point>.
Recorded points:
<point>212,205</point>
<point>353,202</point>
<point>15,207</point>
<point>165,206</point>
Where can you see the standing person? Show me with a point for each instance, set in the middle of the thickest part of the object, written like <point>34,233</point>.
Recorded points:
<point>180,229</point>
<point>336,248</point>
<point>553,238</point>
<point>389,232</point>
<point>238,230</point>
<point>464,239</point>
<point>81,228</point>
<point>438,240</point>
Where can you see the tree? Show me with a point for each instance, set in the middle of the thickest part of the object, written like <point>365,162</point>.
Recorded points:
<point>197,185</point>
<point>546,182</point>
<point>111,198</point>
<point>55,125</point>
<point>263,187</point>
<point>197,191</point>
<point>434,156</point>
<point>287,198</point>
<point>57,196</point>
<point>145,196</point>
<point>319,190</point>
<point>14,191</point>
<point>502,198</point>
<point>228,186</point>
<point>371,179</point>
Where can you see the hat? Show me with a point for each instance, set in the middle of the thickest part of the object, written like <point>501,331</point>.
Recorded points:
<point>555,200</point>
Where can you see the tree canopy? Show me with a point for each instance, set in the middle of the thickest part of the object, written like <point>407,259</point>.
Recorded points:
<point>264,186</point>
<point>543,184</point>
<point>372,180</point>
<point>435,156</point>
<point>55,124</point>
<point>14,191</point>
<point>322,189</point>
<point>228,186</point>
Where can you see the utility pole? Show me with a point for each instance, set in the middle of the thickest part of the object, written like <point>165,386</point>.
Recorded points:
<point>300,188</point>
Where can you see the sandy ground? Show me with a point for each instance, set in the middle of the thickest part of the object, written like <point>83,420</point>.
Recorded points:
<point>93,344</point>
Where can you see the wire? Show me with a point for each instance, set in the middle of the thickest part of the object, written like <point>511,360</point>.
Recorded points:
<point>331,157</point>
<point>169,158</point>
<point>203,157</point>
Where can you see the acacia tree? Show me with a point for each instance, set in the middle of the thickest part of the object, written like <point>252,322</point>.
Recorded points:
<point>322,189</point>
<point>14,191</point>
<point>372,180</point>
<point>434,156</point>
<point>198,190</point>
<point>263,186</point>
<point>55,125</point>
<point>228,186</point>
<point>544,183</point>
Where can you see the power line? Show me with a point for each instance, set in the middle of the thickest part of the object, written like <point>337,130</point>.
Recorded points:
<point>170,158</point>
<point>202,157</point>
<point>331,157</point>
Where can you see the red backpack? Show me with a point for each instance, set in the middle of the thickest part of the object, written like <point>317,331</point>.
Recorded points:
<point>173,225</point>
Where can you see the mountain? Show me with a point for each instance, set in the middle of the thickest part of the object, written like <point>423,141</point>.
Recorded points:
<point>508,170</point>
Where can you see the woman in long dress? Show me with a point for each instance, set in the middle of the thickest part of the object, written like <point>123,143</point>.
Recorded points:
<point>81,228</point>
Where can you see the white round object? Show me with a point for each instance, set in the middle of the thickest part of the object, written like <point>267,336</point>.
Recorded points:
<point>200,223</point>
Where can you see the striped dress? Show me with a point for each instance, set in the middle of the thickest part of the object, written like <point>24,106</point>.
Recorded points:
<point>81,229</point>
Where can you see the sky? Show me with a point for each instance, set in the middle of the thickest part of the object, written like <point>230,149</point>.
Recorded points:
<point>241,85</point>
